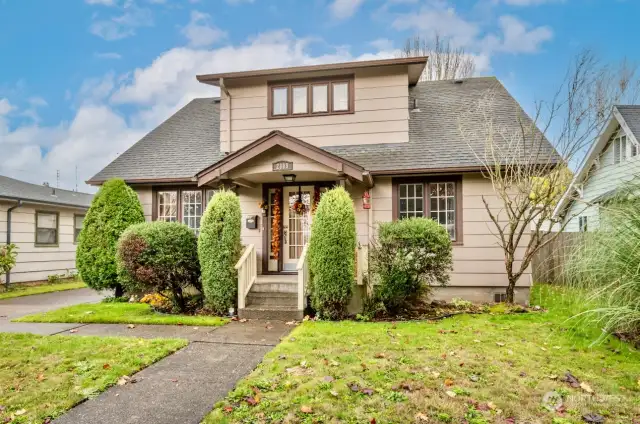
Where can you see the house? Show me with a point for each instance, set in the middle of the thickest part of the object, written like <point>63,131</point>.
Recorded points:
<point>44,223</point>
<point>611,162</point>
<point>280,137</point>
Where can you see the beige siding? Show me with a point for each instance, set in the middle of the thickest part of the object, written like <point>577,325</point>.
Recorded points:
<point>37,263</point>
<point>479,261</point>
<point>145,194</point>
<point>250,199</point>
<point>381,114</point>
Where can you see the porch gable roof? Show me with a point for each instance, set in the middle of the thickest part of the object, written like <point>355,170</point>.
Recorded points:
<point>273,139</point>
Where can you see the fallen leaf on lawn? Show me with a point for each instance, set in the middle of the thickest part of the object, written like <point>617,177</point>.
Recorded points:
<point>477,341</point>
<point>553,377</point>
<point>123,380</point>
<point>500,344</point>
<point>586,387</point>
<point>491,405</point>
<point>364,366</point>
<point>290,323</point>
<point>572,380</point>
<point>593,418</point>
<point>251,400</point>
<point>20,412</point>
<point>2,408</point>
<point>234,318</point>
<point>228,409</point>
<point>510,420</point>
<point>306,409</point>
<point>367,391</point>
<point>435,374</point>
<point>73,331</point>
<point>474,378</point>
<point>334,363</point>
<point>448,382</point>
<point>106,367</point>
<point>482,407</point>
<point>543,348</point>
<point>243,320</point>
<point>450,393</point>
<point>420,417</point>
<point>281,357</point>
<point>334,393</point>
<point>557,347</point>
<point>131,326</point>
<point>380,355</point>
<point>372,421</point>
<point>41,377</point>
<point>354,387</point>
<point>406,386</point>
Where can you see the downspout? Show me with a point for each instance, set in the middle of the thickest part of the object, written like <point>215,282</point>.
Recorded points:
<point>17,205</point>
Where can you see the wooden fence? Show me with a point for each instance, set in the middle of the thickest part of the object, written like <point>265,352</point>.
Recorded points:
<point>548,265</point>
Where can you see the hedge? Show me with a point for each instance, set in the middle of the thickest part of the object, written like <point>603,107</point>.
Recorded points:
<point>114,208</point>
<point>219,249</point>
<point>331,253</point>
<point>408,258</point>
<point>159,257</point>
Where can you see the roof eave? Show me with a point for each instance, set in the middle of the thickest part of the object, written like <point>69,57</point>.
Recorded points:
<point>43,202</point>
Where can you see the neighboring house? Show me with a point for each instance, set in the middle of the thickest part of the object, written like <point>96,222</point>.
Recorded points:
<point>612,161</point>
<point>282,135</point>
<point>44,223</point>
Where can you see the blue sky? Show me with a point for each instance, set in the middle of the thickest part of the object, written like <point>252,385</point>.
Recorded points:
<point>81,80</point>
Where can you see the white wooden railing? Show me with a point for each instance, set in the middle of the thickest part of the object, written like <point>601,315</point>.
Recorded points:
<point>303,278</point>
<point>247,268</point>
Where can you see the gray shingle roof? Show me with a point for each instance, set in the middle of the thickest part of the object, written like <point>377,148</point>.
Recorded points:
<point>631,115</point>
<point>16,189</point>
<point>188,141</point>
<point>184,144</point>
<point>435,139</point>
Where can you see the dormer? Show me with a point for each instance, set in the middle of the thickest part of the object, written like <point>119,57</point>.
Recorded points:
<point>354,103</point>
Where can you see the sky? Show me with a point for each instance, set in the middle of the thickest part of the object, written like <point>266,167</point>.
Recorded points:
<point>82,80</point>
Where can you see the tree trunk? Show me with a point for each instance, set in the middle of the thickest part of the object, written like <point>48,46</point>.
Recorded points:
<point>511,290</point>
<point>119,290</point>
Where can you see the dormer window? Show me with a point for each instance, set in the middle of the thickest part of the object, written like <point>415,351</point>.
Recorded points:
<point>311,98</point>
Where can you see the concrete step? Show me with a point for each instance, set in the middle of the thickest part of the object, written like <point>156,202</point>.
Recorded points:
<point>272,299</point>
<point>280,313</point>
<point>274,287</point>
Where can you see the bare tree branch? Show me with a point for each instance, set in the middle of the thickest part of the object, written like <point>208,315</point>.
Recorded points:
<point>445,62</point>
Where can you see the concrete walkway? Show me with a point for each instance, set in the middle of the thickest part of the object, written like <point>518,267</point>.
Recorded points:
<point>183,387</point>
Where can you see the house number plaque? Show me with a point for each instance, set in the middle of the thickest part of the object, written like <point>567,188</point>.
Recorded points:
<point>283,165</point>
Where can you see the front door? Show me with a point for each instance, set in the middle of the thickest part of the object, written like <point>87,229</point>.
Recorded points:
<point>296,225</point>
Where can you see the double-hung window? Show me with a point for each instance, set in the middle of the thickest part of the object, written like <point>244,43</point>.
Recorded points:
<point>311,98</point>
<point>437,199</point>
<point>47,228</point>
<point>77,226</point>
<point>185,205</point>
<point>192,209</point>
<point>168,206</point>
<point>582,224</point>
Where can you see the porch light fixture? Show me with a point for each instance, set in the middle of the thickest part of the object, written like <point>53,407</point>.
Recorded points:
<point>289,178</point>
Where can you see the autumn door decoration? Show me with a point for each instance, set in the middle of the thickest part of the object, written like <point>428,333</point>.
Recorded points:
<point>276,219</point>
<point>298,206</point>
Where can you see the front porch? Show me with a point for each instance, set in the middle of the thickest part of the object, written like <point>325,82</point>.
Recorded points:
<point>279,180</point>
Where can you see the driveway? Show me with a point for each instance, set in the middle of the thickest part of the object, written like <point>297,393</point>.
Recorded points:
<point>25,305</point>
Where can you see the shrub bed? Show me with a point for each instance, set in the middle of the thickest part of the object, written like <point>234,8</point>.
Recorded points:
<point>219,249</point>
<point>408,258</point>
<point>114,208</point>
<point>159,257</point>
<point>332,254</point>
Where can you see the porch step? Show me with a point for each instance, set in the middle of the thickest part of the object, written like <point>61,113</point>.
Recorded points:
<point>280,313</point>
<point>275,284</point>
<point>268,299</point>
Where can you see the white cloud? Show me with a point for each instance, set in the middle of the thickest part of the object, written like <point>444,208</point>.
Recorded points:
<point>100,130</point>
<point>343,9</point>
<point>382,44</point>
<point>517,37</point>
<point>122,26</point>
<point>200,32</point>
<point>108,55</point>
<point>101,2</point>
<point>5,107</point>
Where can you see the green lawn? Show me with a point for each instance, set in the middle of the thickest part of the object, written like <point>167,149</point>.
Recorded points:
<point>470,368</point>
<point>120,313</point>
<point>27,290</point>
<point>43,376</point>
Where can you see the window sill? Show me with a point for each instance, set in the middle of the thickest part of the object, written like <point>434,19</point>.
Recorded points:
<point>312,115</point>
<point>457,243</point>
<point>45,245</point>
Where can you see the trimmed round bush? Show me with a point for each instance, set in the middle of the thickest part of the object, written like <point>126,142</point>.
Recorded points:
<point>407,259</point>
<point>331,253</point>
<point>114,208</point>
<point>159,257</point>
<point>219,249</point>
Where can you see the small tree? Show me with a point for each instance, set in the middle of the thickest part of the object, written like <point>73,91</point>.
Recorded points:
<point>332,253</point>
<point>219,249</point>
<point>159,257</point>
<point>445,61</point>
<point>408,258</point>
<point>114,208</point>
<point>8,257</point>
<point>529,175</point>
